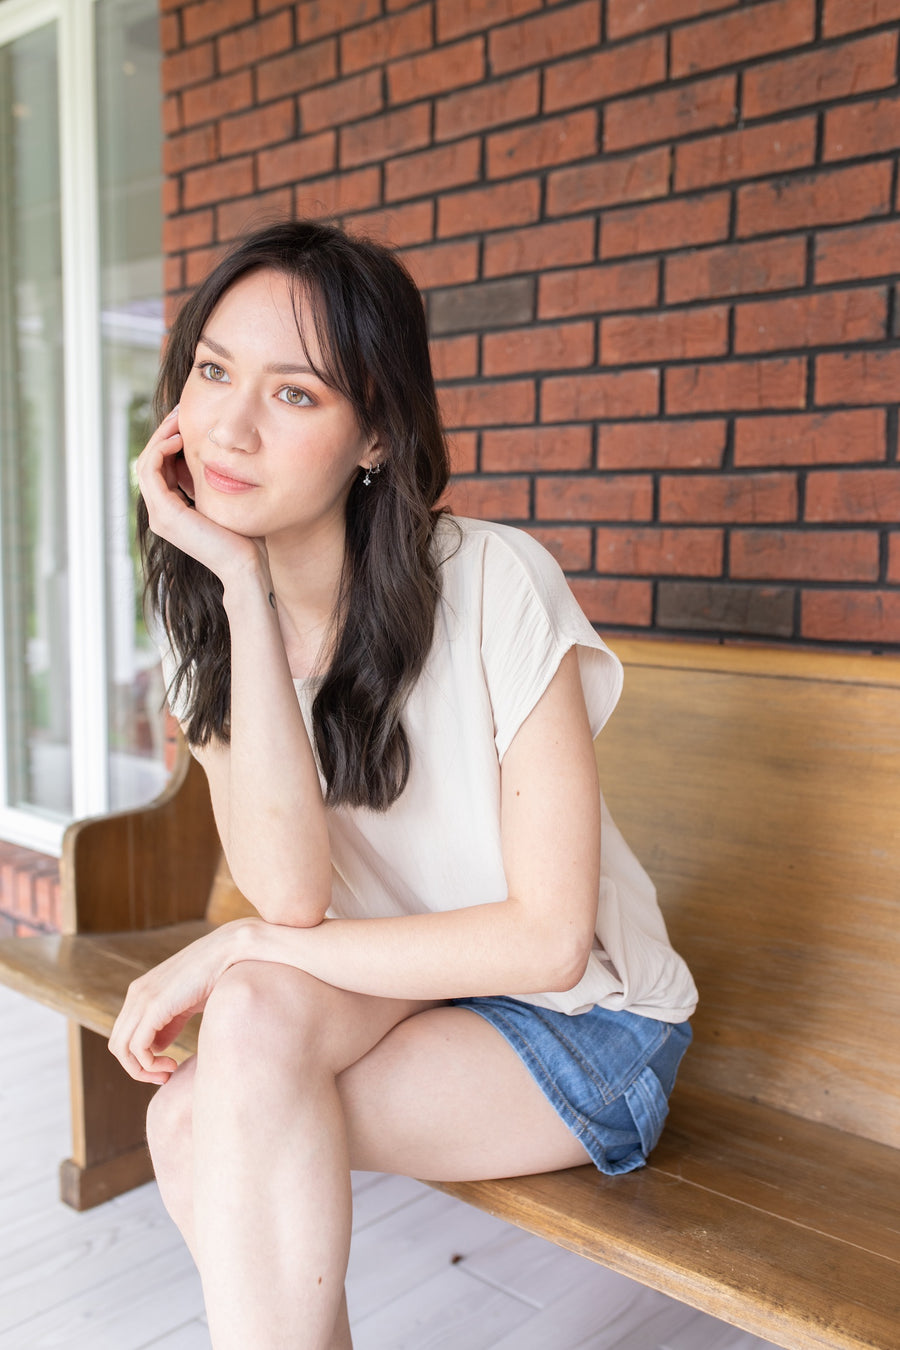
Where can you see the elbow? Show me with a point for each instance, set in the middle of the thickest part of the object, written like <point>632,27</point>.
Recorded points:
<point>571,963</point>
<point>291,911</point>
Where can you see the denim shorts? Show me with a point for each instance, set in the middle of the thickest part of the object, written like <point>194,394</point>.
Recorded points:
<point>608,1074</point>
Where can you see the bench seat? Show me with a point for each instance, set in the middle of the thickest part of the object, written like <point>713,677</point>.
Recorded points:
<point>762,790</point>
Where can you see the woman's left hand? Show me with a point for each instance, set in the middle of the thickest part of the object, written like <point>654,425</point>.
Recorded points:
<point>160,1003</point>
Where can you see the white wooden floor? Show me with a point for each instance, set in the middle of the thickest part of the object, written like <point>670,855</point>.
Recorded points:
<point>426,1273</point>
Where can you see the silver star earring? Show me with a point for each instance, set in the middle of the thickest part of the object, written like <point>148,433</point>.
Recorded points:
<point>371,472</point>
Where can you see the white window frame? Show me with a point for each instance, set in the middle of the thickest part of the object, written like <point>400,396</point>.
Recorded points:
<point>83,421</point>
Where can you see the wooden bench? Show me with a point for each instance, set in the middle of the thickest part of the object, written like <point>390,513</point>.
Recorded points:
<point>762,791</point>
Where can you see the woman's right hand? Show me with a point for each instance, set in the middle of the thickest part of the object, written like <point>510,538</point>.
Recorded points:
<point>165,484</point>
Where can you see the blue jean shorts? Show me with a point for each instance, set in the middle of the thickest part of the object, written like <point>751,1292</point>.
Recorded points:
<point>608,1074</point>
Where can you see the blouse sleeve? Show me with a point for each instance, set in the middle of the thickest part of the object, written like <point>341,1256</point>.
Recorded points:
<point>530,619</point>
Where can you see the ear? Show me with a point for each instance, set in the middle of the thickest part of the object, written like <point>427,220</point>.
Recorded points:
<point>374,455</point>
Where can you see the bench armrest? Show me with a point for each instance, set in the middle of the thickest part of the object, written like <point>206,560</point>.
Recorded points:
<point>143,868</point>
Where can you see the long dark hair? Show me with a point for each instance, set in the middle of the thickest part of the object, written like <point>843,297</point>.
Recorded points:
<point>370,325</point>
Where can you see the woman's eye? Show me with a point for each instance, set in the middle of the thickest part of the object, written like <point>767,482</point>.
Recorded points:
<point>298,398</point>
<point>210,371</point>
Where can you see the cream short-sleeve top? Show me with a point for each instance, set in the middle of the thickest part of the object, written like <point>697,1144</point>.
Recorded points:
<point>505,619</point>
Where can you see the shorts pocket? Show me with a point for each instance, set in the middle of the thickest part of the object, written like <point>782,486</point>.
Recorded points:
<point>646,1100</point>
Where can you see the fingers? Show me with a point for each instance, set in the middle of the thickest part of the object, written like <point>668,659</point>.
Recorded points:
<point>138,1035</point>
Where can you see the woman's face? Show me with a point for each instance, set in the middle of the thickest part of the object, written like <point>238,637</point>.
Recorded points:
<point>284,446</point>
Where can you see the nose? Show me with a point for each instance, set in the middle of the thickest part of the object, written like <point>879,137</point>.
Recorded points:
<point>235,428</point>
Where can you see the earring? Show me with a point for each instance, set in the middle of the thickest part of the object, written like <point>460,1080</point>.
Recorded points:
<point>211,437</point>
<point>371,473</point>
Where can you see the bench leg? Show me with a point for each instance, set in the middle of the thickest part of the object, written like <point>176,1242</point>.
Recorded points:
<point>109,1150</point>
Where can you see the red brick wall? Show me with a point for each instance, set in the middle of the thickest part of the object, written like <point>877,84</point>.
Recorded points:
<point>658,241</point>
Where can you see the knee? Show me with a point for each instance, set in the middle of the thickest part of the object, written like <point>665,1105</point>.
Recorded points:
<point>169,1123</point>
<point>260,1012</point>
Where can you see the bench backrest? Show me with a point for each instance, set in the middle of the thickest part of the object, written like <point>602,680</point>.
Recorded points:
<point>761,789</point>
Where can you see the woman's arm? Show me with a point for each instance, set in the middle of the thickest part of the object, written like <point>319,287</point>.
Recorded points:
<point>538,938</point>
<point>264,784</point>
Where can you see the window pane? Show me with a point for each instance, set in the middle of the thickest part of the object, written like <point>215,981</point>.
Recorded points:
<point>130,181</point>
<point>32,432</point>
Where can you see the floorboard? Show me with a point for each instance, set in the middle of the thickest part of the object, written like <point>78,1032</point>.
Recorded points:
<point>426,1271</point>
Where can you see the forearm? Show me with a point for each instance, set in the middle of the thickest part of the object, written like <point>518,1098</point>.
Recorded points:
<point>277,836</point>
<point>484,949</point>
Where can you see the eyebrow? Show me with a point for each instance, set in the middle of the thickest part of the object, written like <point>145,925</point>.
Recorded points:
<point>278,368</point>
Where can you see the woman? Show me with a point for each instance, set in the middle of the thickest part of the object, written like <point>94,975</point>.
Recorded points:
<point>395,712</point>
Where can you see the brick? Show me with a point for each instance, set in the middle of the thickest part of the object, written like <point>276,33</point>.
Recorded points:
<point>170,108</point>
<point>248,213</point>
<point>352,191</point>
<point>858,252</point>
<point>318,18</point>
<point>304,158</point>
<point>169,33</point>
<point>853,495</point>
<point>191,230</point>
<point>843,16</point>
<point>507,402</point>
<point>207,102</point>
<point>190,66</point>
<point>808,555</point>
<point>490,304</point>
<point>675,335</point>
<point>609,394</point>
<point>300,69</point>
<point>437,72</point>
<point>381,137</point>
<point>775,382</point>
<point>668,114</point>
<point>626,604</point>
<point>487,105</point>
<point>429,171</point>
<point>401,225</point>
<point>661,445</point>
<point>624,17</point>
<point>458,17</point>
<point>495,207</point>
<point>608,181</point>
<point>173,273</point>
<point>662,225</point>
<point>753,611</point>
<point>817,319</point>
<point>726,498</point>
<point>550,347</point>
<point>857,377</point>
<point>570,545</point>
<point>490,498</point>
<point>751,31</point>
<point>534,41</point>
<point>386,39</point>
<point>595,497</point>
<point>341,101</point>
<point>538,145</point>
<point>811,438</point>
<point>833,196</point>
<point>252,43</point>
<point>735,156</point>
<point>536,449</point>
<point>863,128</point>
<point>820,76</point>
<point>261,127</point>
<point>617,71</point>
<point>214,16</point>
<point>463,447</point>
<point>447,264</point>
<point>199,264</point>
<point>851,616</point>
<point>189,149</point>
<point>735,269</point>
<point>454,358</point>
<point>893,572</point>
<point>590,290</point>
<point>538,248</point>
<point>651,551</point>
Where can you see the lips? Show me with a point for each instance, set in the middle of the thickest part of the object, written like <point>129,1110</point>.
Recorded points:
<point>222,481</point>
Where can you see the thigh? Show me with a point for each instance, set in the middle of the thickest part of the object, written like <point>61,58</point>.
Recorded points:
<point>443,1096</point>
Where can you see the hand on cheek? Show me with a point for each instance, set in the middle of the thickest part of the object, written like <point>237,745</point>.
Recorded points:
<point>184,478</point>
